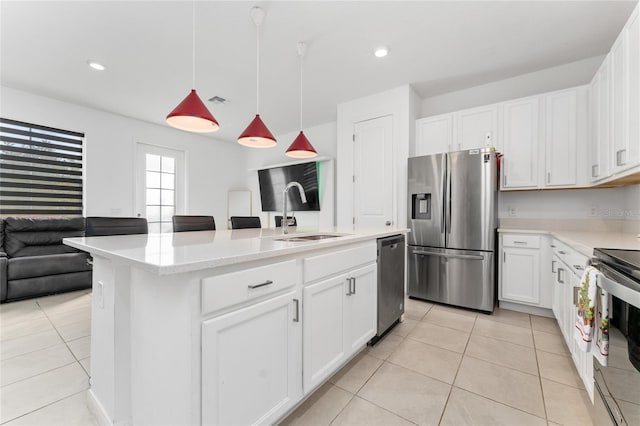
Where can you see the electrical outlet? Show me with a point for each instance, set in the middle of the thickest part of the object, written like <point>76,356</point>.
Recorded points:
<point>593,211</point>
<point>512,211</point>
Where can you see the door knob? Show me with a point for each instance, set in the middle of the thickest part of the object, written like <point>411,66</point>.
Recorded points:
<point>388,223</point>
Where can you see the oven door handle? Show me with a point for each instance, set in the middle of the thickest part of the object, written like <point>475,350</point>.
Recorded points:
<point>617,284</point>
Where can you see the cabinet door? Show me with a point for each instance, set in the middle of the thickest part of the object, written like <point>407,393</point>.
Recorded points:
<point>599,135</point>
<point>323,336</point>
<point>619,105</point>
<point>251,362</point>
<point>434,135</point>
<point>633,138</point>
<point>520,142</point>
<point>557,301</point>
<point>561,140</point>
<point>361,313</point>
<point>475,125</point>
<point>521,275</point>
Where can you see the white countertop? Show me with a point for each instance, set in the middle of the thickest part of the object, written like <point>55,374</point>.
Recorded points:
<point>172,253</point>
<point>586,241</point>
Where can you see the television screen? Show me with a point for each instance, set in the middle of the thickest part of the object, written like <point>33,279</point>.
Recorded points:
<point>273,181</point>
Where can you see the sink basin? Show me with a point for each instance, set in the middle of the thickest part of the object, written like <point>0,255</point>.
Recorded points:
<point>313,237</point>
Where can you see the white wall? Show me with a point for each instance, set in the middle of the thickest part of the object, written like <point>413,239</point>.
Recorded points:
<point>323,139</point>
<point>400,103</point>
<point>213,166</point>
<point>546,80</point>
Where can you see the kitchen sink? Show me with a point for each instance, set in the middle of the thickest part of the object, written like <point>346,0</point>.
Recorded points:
<point>312,237</point>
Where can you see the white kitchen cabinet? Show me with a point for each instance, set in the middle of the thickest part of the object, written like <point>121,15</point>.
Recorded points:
<point>361,315</point>
<point>633,121</point>
<point>520,143</point>
<point>474,126</point>
<point>434,135</point>
<point>599,118</point>
<point>561,138</point>
<point>520,270</point>
<point>557,302</point>
<point>619,99</point>
<point>251,362</point>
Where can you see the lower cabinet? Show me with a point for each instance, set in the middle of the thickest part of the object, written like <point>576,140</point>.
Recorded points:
<point>339,318</point>
<point>251,362</point>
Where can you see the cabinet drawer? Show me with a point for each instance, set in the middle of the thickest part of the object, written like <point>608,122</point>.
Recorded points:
<point>575,260</point>
<point>231,289</point>
<point>522,241</point>
<point>328,264</point>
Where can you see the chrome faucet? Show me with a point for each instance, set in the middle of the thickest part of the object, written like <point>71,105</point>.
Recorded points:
<point>303,196</point>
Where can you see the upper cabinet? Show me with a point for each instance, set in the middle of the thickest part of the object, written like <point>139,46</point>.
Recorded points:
<point>520,139</point>
<point>476,127</point>
<point>599,118</point>
<point>561,138</point>
<point>434,134</point>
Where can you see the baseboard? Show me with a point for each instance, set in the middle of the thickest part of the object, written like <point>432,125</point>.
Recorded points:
<point>98,411</point>
<point>533,310</point>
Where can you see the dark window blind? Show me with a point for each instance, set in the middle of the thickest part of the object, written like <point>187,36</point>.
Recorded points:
<point>40,170</point>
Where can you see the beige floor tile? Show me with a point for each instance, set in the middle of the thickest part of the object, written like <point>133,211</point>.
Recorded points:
<point>566,405</point>
<point>506,316</point>
<point>86,364</point>
<point>443,337</point>
<point>385,347</point>
<point>30,343</point>
<point>550,342</point>
<point>33,363</point>
<point>451,318</point>
<point>501,331</point>
<point>549,325</point>
<point>559,368</point>
<point>416,309</point>
<point>363,413</point>
<point>432,361</point>
<point>505,385</point>
<point>404,328</point>
<point>321,408</point>
<point>71,411</point>
<point>20,312</point>
<point>80,314</point>
<point>31,394</point>
<point>356,373</point>
<point>466,408</point>
<point>59,303</point>
<point>20,329</point>
<point>75,330</point>
<point>503,353</point>
<point>81,348</point>
<point>406,393</point>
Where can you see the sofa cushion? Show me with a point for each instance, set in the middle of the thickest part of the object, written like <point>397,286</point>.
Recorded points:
<point>37,237</point>
<point>37,266</point>
<point>49,284</point>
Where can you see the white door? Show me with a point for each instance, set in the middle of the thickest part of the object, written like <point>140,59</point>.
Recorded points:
<point>322,321</point>
<point>521,275</point>
<point>373,203</point>
<point>475,125</point>
<point>251,363</point>
<point>561,139</point>
<point>160,187</point>
<point>434,135</point>
<point>520,143</point>
<point>361,313</point>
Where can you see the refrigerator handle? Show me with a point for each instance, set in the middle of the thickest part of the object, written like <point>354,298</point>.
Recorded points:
<point>448,224</point>
<point>444,195</point>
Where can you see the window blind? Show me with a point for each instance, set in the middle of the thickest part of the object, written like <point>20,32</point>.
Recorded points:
<point>40,170</point>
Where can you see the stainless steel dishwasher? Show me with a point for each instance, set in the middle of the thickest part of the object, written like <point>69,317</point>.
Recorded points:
<point>391,261</point>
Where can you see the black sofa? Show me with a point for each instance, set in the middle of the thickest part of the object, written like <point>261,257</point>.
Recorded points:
<point>34,262</point>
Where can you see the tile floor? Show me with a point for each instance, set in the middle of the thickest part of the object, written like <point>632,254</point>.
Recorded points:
<point>440,366</point>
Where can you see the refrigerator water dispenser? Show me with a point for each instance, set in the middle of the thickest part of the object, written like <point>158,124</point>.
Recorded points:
<point>421,207</point>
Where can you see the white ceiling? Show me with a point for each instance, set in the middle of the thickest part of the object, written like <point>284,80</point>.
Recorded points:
<point>435,46</point>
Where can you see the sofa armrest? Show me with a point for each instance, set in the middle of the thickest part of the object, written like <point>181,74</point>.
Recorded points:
<point>3,278</point>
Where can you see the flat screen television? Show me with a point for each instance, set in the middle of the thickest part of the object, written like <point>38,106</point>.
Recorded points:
<point>273,181</point>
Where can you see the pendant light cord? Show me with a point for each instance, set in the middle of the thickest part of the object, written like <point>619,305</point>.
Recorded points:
<point>193,44</point>
<point>301,59</point>
<point>257,69</point>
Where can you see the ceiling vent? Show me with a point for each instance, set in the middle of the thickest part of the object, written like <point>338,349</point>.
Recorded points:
<point>219,100</point>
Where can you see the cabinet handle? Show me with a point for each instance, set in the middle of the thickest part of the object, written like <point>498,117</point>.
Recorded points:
<point>619,161</point>
<point>553,246</point>
<point>576,296</point>
<point>553,266</point>
<point>548,177</point>
<point>354,285</point>
<point>560,271</point>
<point>578,267</point>
<point>562,252</point>
<point>267,282</point>
<point>505,180</point>
<point>504,256</point>
<point>349,292</point>
<point>519,242</point>
<point>594,171</point>
<point>297,317</point>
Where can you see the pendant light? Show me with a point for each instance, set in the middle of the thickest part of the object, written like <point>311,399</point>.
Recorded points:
<point>301,147</point>
<point>191,114</point>
<point>257,135</point>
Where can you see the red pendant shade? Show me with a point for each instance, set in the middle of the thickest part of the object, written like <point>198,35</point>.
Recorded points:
<point>192,115</point>
<point>301,148</point>
<point>256,135</point>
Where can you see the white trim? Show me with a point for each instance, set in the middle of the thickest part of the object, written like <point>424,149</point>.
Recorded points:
<point>98,411</point>
<point>533,310</point>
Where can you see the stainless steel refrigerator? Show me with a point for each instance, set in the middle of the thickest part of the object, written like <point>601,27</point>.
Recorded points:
<point>452,214</point>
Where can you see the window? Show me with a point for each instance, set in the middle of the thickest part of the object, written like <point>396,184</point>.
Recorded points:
<point>40,170</point>
<point>160,187</point>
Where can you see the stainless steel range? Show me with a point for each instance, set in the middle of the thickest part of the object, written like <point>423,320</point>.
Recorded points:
<point>617,385</point>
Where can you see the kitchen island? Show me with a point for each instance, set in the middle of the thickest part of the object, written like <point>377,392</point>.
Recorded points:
<point>225,327</point>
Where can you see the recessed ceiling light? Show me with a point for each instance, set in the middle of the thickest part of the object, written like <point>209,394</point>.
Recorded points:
<point>96,65</point>
<point>381,52</point>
